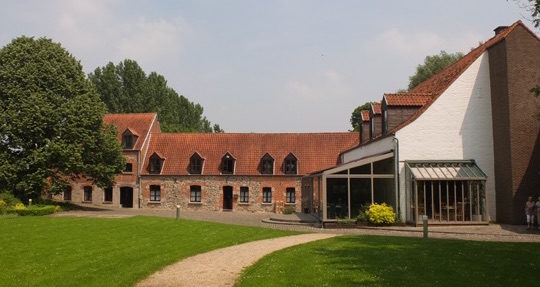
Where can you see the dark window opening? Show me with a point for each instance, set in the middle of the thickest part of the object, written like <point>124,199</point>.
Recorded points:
<point>129,167</point>
<point>195,164</point>
<point>244,194</point>
<point>155,193</point>
<point>290,165</point>
<point>67,193</point>
<point>385,121</point>
<point>87,193</point>
<point>155,164</point>
<point>107,194</point>
<point>195,193</point>
<point>127,141</point>
<point>267,195</point>
<point>267,164</point>
<point>290,195</point>
<point>227,164</point>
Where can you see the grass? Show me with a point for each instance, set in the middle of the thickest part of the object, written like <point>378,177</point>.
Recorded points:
<point>397,261</point>
<point>65,251</point>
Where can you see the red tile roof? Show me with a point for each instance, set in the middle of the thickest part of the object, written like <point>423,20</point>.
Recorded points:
<point>365,115</point>
<point>407,99</point>
<point>376,108</point>
<point>138,124</point>
<point>314,151</point>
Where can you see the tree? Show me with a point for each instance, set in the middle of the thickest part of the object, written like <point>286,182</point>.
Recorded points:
<point>431,66</point>
<point>51,121</point>
<point>125,88</point>
<point>356,116</point>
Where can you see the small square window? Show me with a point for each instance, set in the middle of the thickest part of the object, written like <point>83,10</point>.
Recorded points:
<point>155,193</point>
<point>129,167</point>
<point>267,195</point>
<point>195,193</point>
<point>244,194</point>
<point>87,193</point>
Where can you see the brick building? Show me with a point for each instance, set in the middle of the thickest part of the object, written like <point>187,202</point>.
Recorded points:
<point>462,147</point>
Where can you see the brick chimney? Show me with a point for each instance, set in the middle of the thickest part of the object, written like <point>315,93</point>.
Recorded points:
<point>500,29</point>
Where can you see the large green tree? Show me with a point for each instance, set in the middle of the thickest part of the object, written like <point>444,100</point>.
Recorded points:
<point>125,88</point>
<point>51,127</point>
<point>431,66</point>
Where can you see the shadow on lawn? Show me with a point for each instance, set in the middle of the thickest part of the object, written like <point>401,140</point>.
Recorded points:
<point>376,261</point>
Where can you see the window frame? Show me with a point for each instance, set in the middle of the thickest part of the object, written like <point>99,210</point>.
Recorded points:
<point>68,190</point>
<point>155,164</point>
<point>195,194</point>
<point>130,165</point>
<point>267,158</point>
<point>244,194</point>
<point>196,161</point>
<point>267,195</point>
<point>87,193</point>
<point>155,193</point>
<point>288,199</point>
<point>105,191</point>
<point>290,158</point>
<point>228,161</point>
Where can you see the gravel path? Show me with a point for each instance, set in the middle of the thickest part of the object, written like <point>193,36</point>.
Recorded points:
<point>222,267</point>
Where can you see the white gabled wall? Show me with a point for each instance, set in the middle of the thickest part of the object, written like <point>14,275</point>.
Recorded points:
<point>458,125</point>
<point>381,146</point>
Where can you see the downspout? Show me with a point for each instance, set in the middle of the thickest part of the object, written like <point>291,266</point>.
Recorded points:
<point>139,176</point>
<point>396,175</point>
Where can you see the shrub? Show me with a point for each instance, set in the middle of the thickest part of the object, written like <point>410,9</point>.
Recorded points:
<point>3,207</point>
<point>19,206</point>
<point>362,214</point>
<point>289,210</point>
<point>36,210</point>
<point>9,199</point>
<point>381,214</point>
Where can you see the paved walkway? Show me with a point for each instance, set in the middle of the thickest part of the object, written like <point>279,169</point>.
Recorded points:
<point>492,232</point>
<point>222,267</point>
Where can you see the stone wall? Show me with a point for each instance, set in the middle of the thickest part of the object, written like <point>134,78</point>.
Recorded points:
<point>175,190</point>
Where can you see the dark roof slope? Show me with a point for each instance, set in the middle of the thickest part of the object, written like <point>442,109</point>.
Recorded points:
<point>314,151</point>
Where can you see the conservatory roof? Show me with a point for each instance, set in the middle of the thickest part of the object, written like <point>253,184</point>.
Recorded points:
<point>445,170</point>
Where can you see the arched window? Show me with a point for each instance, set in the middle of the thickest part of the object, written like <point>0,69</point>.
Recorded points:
<point>227,164</point>
<point>290,166</point>
<point>128,139</point>
<point>267,164</point>
<point>155,164</point>
<point>196,164</point>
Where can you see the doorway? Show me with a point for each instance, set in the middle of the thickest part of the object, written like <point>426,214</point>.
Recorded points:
<point>227,198</point>
<point>126,197</point>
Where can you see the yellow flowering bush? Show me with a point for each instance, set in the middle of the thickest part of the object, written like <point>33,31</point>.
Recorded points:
<point>380,214</point>
<point>19,206</point>
<point>3,204</point>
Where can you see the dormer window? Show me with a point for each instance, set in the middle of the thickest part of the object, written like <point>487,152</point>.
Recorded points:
<point>385,121</point>
<point>128,139</point>
<point>155,164</point>
<point>267,164</point>
<point>227,164</point>
<point>196,164</point>
<point>290,166</point>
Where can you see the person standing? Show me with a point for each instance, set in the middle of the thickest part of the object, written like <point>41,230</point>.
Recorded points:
<point>537,206</point>
<point>529,212</point>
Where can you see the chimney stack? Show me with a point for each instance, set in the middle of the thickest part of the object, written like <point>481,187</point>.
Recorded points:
<point>499,29</point>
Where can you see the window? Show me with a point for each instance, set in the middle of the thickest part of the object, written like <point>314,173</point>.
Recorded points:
<point>385,121</point>
<point>290,195</point>
<point>67,193</point>
<point>267,195</point>
<point>290,165</point>
<point>372,127</point>
<point>155,164</point>
<point>107,194</point>
<point>129,167</point>
<point>227,164</point>
<point>267,164</point>
<point>195,193</point>
<point>87,193</point>
<point>155,193</point>
<point>128,139</point>
<point>244,194</point>
<point>195,164</point>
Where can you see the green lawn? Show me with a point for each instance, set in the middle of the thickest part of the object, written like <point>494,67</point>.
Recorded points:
<point>397,261</point>
<point>64,251</point>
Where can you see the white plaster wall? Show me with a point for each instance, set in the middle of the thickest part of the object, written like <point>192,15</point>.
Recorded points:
<point>458,125</point>
<point>378,147</point>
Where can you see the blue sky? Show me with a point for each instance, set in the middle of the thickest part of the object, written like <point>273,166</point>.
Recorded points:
<point>266,66</point>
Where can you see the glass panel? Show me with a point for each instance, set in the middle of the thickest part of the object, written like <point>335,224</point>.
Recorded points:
<point>360,195</point>
<point>385,166</point>
<point>363,169</point>
<point>337,198</point>
<point>384,191</point>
